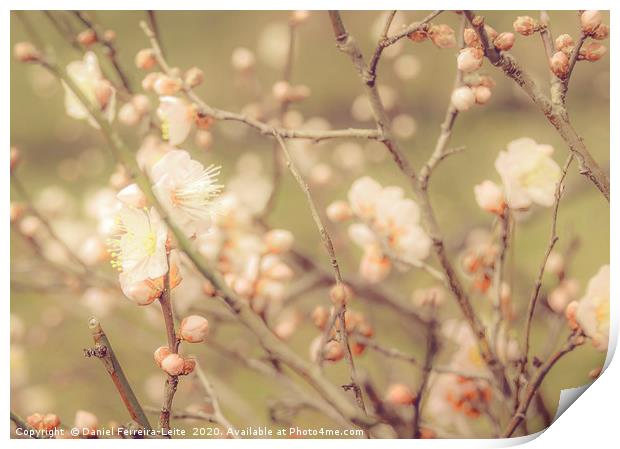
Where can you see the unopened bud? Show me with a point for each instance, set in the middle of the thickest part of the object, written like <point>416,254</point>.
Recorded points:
<point>109,36</point>
<point>160,354</point>
<point>189,365</point>
<point>340,294</point>
<point>26,52</point>
<point>525,25</point>
<point>504,41</point>
<point>145,59</point>
<point>166,85</point>
<point>418,36</point>
<point>564,43</point>
<point>85,422</point>
<point>319,316</point>
<point>173,364</point>
<point>399,394</point>
<point>15,157</point>
<point>339,211</point>
<point>559,64</point>
<point>141,103</point>
<point>194,329</point>
<point>482,94</point>
<point>571,315</point>
<point>333,351</point>
<point>148,82</point>
<point>590,20</point>
<point>593,51</point>
<point>203,121</point>
<point>470,37</point>
<point>194,77</point>
<point>490,197</point>
<point>469,59</point>
<point>442,36</point>
<point>602,32</point>
<point>128,115</point>
<point>87,37</point>
<point>463,98</point>
<point>278,240</point>
<point>203,139</point>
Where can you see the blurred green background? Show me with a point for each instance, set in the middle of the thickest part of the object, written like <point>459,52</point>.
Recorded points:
<point>58,378</point>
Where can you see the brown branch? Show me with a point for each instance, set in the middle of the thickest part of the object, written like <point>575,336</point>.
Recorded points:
<point>555,114</point>
<point>432,347</point>
<point>103,350</point>
<point>559,190</point>
<point>347,44</point>
<point>575,340</point>
<point>20,423</point>
<point>262,127</point>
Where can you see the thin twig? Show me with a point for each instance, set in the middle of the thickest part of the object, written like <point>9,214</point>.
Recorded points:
<point>103,350</point>
<point>218,416</point>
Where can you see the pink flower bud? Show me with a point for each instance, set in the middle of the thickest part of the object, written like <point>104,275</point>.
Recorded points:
<point>469,59</point>
<point>189,365</point>
<point>504,41</point>
<point>602,32</point>
<point>339,211</point>
<point>399,394</point>
<point>558,299</point>
<point>559,64</point>
<point>103,93</point>
<point>418,36</point>
<point>243,59</point>
<point>26,52</point>
<point>564,43</point>
<point>50,421</point>
<point>490,197</point>
<point>35,421</point>
<point>590,20</point>
<point>442,36</point>
<point>374,267</point>
<point>145,59</point>
<point>340,293</point>
<point>463,98</point>
<point>148,82</point>
<point>555,264</point>
<point>278,240</point>
<point>280,91</point>
<point>166,85</point>
<point>128,115</point>
<point>319,316</point>
<point>333,351</point>
<point>85,422</point>
<point>194,329</point>
<point>132,196</point>
<point>160,354</point>
<point>203,139</point>
<point>525,25</point>
<point>593,51</point>
<point>208,288</point>
<point>173,364</point>
<point>471,39</point>
<point>141,103</point>
<point>482,94</point>
<point>87,37</point>
<point>194,77</point>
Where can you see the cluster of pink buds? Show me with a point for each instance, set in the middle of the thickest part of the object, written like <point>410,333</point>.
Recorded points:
<point>45,422</point>
<point>592,27</point>
<point>477,90</point>
<point>501,41</point>
<point>441,35</point>
<point>172,363</point>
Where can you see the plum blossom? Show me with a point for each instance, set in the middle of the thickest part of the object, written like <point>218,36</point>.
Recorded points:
<point>593,309</point>
<point>139,249</point>
<point>177,117</point>
<point>186,189</point>
<point>390,224</point>
<point>528,173</point>
<point>87,75</point>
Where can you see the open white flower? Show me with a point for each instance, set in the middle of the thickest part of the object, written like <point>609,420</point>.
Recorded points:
<point>528,173</point>
<point>139,249</point>
<point>593,309</point>
<point>87,76</point>
<point>186,189</point>
<point>177,117</point>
